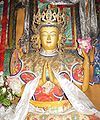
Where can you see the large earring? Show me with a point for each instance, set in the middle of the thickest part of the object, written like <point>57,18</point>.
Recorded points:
<point>39,42</point>
<point>59,41</point>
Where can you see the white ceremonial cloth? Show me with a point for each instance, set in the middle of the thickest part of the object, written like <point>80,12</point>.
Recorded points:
<point>77,98</point>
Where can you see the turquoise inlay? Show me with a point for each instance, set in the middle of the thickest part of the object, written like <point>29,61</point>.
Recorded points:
<point>7,62</point>
<point>68,42</point>
<point>1,8</point>
<point>42,5</point>
<point>68,31</point>
<point>1,12</point>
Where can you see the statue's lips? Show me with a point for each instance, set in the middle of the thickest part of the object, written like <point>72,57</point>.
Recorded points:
<point>48,41</point>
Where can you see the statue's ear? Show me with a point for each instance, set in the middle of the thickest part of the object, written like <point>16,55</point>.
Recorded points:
<point>39,41</point>
<point>59,40</point>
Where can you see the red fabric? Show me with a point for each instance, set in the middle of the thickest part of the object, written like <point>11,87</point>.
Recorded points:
<point>97,0</point>
<point>41,0</point>
<point>41,95</point>
<point>3,34</point>
<point>61,6</point>
<point>1,61</point>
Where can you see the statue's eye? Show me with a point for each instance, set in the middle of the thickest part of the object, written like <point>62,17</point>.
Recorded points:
<point>53,35</point>
<point>44,35</point>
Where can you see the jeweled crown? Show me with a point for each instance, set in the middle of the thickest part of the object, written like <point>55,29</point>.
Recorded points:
<point>49,17</point>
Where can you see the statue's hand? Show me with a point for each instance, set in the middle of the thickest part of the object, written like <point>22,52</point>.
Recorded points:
<point>89,58</point>
<point>91,55</point>
<point>52,76</point>
<point>85,55</point>
<point>43,78</point>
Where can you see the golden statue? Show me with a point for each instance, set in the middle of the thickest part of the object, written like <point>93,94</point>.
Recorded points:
<point>51,69</point>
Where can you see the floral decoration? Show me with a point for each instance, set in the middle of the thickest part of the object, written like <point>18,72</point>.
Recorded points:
<point>85,44</point>
<point>9,89</point>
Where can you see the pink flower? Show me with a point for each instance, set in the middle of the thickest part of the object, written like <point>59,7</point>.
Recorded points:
<point>85,44</point>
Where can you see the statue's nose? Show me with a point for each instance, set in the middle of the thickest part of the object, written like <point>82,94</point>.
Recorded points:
<point>49,37</point>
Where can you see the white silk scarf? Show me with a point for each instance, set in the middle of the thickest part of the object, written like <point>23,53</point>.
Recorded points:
<point>77,98</point>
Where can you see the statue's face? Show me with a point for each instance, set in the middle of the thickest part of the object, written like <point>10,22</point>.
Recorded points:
<point>49,37</point>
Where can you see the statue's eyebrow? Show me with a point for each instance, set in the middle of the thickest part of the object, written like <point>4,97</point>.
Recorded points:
<point>44,31</point>
<point>53,32</point>
<point>47,32</point>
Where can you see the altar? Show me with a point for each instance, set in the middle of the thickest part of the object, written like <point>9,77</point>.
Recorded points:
<point>49,53</point>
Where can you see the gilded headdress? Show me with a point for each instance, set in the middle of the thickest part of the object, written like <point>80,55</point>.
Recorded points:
<point>49,17</point>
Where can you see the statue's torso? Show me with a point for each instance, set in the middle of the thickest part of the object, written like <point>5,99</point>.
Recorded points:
<point>32,66</point>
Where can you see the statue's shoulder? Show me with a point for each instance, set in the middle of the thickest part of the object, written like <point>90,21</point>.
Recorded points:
<point>29,56</point>
<point>28,60</point>
<point>71,57</point>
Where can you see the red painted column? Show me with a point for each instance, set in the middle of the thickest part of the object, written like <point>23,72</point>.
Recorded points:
<point>3,34</point>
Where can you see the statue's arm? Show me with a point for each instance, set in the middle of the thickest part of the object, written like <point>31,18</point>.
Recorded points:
<point>91,56</point>
<point>86,67</point>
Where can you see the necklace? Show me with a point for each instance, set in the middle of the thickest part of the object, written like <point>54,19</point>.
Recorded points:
<point>48,54</point>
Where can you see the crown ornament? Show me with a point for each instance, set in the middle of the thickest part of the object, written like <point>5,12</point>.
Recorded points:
<point>49,17</point>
